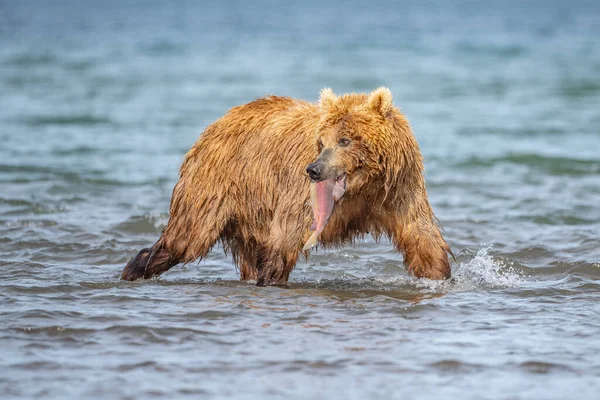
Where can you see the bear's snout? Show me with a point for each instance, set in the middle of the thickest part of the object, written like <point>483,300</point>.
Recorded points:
<point>315,171</point>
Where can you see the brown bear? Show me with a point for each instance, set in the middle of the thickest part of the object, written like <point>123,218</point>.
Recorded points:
<point>247,182</point>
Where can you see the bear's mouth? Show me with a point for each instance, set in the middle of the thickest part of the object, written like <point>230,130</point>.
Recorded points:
<point>323,195</point>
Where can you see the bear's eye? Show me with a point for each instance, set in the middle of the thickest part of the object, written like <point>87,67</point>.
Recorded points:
<point>319,145</point>
<point>344,142</point>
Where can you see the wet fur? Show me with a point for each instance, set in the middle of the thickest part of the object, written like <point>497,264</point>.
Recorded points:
<point>244,183</point>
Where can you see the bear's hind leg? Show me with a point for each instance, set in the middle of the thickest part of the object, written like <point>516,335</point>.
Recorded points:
<point>136,267</point>
<point>274,266</point>
<point>247,261</point>
<point>189,235</point>
<point>148,263</point>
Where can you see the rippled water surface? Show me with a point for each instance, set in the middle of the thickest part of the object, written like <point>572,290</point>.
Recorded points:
<point>99,101</point>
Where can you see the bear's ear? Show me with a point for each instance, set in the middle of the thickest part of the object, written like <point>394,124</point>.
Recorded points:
<point>327,99</point>
<point>380,101</point>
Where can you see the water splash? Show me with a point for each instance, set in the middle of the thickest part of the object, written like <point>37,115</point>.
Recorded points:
<point>477,271</point>
<point>481,272</point>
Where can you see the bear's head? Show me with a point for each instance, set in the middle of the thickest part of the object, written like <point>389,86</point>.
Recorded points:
<point>362,138</point>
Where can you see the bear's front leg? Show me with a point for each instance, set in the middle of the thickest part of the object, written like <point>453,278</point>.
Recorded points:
<point>425,250</point>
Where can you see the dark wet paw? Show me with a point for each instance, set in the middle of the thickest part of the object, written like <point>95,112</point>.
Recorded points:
<point>136,267</point>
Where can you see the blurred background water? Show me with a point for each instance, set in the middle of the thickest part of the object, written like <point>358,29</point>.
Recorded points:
<point>99,101</point>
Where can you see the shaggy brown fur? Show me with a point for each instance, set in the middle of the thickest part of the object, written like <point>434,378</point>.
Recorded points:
<point>244,183</point>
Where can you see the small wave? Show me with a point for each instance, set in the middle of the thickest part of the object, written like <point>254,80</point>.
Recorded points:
<point>455,366</point>
<point>504,52</point>
<point>163,48</point>
<point>40,208</point>
<point>580,269</point>
<point>29,223</point>
<point>579,89</point>
<point>77,150</point>
<point>553,165</point>
<point>558,218</point>
<point>147,223</point>
<point>25,207</point>
<point>31,59</point>
<point>541,367</point>
<point>75,119</point>
<point>350,283</point>
<point>17,207</point>
<point>518,131</point>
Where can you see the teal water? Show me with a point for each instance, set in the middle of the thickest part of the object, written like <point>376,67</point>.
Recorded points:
<point>99,101</point>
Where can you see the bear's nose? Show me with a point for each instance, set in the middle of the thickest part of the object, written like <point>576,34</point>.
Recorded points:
<point>314,171</point>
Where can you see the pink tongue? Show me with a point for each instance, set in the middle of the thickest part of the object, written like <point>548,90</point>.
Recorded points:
<point>323,194</point>
<point>323,206</point>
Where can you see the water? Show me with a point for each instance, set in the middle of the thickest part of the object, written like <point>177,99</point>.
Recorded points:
<point>99,101</point>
